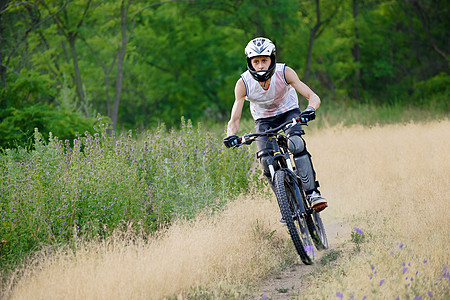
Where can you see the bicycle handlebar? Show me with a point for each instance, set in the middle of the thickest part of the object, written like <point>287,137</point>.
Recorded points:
<point>247,139</point>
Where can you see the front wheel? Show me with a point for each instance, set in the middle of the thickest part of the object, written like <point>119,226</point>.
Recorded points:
<point>287,191</point>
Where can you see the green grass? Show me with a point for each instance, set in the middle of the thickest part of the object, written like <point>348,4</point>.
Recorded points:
<point>64,191</point>
<point>330,256</point>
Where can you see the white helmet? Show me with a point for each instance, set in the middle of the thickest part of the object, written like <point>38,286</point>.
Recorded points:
<point>260,47</point>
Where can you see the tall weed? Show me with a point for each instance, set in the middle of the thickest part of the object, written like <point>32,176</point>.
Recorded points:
<point>63,191</point>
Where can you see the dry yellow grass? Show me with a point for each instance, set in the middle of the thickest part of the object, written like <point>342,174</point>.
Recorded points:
<point>392,182</point>
<point>211,252</point>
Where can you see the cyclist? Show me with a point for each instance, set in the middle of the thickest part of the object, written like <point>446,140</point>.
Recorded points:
<point>271,89</point>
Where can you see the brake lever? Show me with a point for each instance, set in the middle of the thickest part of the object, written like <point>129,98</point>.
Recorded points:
<point>243,141</point>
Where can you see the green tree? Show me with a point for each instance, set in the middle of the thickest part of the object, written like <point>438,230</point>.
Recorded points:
<point>147,62</point>
<point>320,24</point>
<point>68,18</point>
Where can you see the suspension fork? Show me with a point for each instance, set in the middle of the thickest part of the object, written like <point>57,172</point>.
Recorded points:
<point>298,194</point>
<point>284,157</point>
<point>278,155</point>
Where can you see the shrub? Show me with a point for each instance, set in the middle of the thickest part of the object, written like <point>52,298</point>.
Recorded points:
<point>63,191</point>
<point>17,125</point>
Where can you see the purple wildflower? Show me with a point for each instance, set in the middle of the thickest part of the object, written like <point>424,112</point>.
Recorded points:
<point>339,295</point>
<point>445,273</point>
<point>381,282</point>
<point>357,230</point>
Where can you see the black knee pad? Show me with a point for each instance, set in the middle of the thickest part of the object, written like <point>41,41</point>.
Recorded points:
<point>305,169</point>
<point>296,144</point>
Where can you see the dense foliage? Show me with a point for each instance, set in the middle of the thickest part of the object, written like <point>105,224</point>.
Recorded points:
<point>145,62</point>
<point>18,124</point>
<point>60,193</point>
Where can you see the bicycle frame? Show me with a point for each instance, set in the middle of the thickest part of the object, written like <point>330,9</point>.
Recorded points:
<point>282,156</point>
<point>298,213</point>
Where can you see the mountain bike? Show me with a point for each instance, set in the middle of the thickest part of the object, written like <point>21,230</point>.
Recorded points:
<point>304,224</point>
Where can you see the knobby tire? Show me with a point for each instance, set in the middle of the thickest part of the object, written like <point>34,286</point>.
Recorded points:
<point>315,225</point>
<point>289,207</point>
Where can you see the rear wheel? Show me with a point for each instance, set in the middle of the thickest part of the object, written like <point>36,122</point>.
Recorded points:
<point>315,225</point>
<point>286,190</point>
<point>317,231</point>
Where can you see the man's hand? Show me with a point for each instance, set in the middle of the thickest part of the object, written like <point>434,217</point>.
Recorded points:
<point>307,115</point>
<point>231,141</point>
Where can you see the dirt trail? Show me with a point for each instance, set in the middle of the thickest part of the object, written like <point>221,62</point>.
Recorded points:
<point>289,284</point>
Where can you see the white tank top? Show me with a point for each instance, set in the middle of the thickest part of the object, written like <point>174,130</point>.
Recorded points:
<point>279,98</point>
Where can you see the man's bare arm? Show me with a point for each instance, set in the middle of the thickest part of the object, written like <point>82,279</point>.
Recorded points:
<point>303,89</point>
<point>236,112</point>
